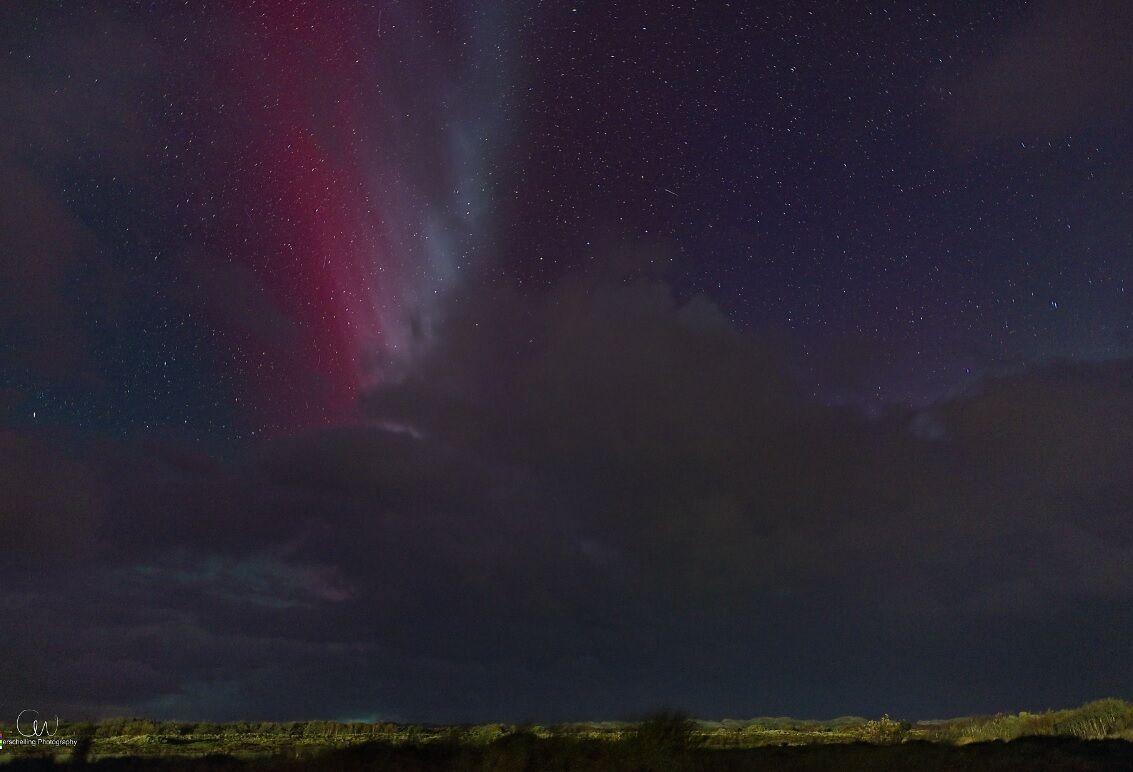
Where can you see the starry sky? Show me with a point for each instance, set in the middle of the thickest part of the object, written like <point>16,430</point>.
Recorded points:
<point>470,361</point>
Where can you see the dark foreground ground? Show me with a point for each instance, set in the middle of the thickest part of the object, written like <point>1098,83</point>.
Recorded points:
<point>533,753</point>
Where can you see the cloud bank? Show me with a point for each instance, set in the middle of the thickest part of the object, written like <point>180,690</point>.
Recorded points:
<point>586,503</point>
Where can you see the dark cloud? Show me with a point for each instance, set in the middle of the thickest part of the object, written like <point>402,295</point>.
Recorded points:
<point>1065,68</point>
<point>52,504</point>
<point>66,83</point>
<point>587,503</point>
<point>63,94</point>
<point>40,242</point>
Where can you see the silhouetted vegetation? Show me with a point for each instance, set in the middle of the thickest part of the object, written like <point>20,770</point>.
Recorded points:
<point>1093,737</point>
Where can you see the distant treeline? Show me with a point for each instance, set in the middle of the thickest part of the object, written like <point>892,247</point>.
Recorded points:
<point>1094,720</point>
<point>1093,737</point>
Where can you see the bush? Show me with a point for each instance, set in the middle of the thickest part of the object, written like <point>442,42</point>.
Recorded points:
<point>1093,721</point>
<point>884,731</point>
<point>665,741</point>
<point>1096,720</point>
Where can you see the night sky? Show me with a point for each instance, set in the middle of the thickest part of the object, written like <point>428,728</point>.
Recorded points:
<point>472,361</point>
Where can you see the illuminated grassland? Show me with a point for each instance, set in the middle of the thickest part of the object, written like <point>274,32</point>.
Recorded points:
<point>664,741</point>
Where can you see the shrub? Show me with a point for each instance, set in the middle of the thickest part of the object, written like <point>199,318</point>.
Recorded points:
<point>665,741</point>
<point>1096,720</point>
<point>884,731</point>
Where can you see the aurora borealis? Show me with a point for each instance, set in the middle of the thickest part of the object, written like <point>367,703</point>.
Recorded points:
<point>367,190</point>
<point>278,149</point>
<point>530,361</point>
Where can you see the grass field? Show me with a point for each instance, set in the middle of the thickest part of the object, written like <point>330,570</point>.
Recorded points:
<point>1095,736</point>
